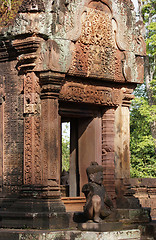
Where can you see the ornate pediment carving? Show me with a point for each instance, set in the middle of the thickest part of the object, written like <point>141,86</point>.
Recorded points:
<point>93,39</point>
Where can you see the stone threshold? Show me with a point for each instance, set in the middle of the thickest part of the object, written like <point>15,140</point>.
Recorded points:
<point>29,234</point>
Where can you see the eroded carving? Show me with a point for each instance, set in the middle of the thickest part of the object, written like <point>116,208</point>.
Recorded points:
<point>95,46</point>
<point>77,92</point>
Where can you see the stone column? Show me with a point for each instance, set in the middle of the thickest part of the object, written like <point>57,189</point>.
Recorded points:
<point>122,139</point>
<point>108,154</point>
<point>122,135</point>
<point>125,198</point>
<point>32,131</point>
<point>50,134</point>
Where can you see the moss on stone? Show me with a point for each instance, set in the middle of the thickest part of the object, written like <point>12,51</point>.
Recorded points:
<point>8,11</point>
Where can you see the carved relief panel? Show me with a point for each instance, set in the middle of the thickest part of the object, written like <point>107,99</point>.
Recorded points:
<point>110,46</point>
<point>95,49</point>
<point>87,93</point>
<point>32,130</point>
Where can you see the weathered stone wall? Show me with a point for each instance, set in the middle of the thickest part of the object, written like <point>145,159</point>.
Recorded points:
<point>11,114</point>
<point>145,190</point>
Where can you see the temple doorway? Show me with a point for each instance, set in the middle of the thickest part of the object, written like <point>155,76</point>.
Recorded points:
<point>85,143</point>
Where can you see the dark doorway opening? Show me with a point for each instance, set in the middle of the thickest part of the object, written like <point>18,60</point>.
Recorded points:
<point>69,163</point>
<point>85,143</point>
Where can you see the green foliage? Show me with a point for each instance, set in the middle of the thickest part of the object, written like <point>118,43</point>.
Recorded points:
<point>153,89</point>
<point>143,159</point>
<point>142,144</point>
<point>143,109</point>
<point>149,16</point>
<point>65,148</point>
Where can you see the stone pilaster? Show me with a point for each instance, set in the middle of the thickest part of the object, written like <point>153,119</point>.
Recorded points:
<point>50,130</point>
<point>32,130</point>
<point>122,135</point>
<point>108,153</point>
<point>125,198</point>
<point>122,138</point>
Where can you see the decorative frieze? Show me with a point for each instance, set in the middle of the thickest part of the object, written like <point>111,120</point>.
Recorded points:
<point>32,103</point>
<point>78,92</point>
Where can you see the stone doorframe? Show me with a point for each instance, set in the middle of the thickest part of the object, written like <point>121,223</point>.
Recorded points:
<point>111,123</point>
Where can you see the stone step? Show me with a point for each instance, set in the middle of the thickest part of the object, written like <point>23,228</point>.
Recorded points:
<point>10,234</point>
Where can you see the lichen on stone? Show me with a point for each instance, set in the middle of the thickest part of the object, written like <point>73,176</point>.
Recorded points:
<point>8,11</point>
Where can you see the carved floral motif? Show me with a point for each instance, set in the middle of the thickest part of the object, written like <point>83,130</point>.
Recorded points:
<point>32,128</point>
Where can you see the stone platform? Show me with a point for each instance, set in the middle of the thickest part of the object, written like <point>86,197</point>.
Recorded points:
<point>10,234</point>
<point>126,232</point>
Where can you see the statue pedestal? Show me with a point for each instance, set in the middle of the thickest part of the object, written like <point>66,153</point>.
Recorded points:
<point>119,219</point>
<point>100,227</point>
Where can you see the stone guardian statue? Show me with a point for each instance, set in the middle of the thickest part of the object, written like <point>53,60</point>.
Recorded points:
<point>98,204</point>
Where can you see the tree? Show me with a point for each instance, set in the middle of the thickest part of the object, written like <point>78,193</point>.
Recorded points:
<point>142,144</point>
<point>149,18</point>
<point>143,109</point>
<point>65,147</point>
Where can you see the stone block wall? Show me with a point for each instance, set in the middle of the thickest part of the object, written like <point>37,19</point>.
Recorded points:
<point>145,190</point>
<point>11,130</point>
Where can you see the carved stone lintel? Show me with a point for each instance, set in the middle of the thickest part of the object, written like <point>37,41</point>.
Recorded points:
<point>79,92</point>
<point>99,95</point>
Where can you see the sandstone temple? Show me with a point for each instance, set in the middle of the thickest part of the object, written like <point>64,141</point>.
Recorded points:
<point>75,61</point>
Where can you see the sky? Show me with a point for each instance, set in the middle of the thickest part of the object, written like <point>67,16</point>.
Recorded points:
<point>135,2</point>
